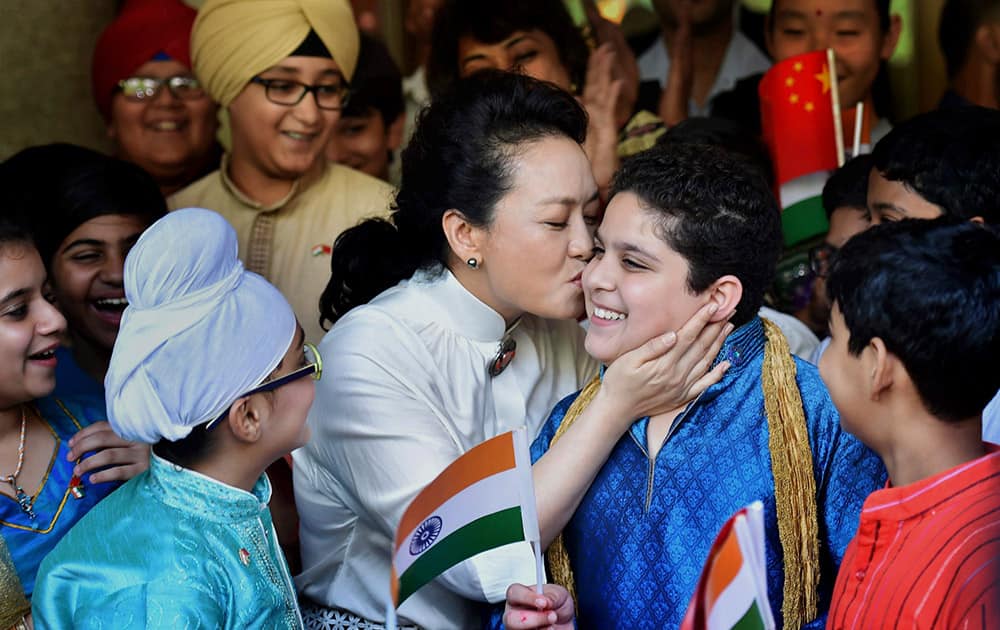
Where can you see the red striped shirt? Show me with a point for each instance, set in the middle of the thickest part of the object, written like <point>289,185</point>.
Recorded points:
<point>926,555</point>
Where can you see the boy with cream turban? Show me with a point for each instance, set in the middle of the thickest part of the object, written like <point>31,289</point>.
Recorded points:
<point>280,69</point>
<point>208,368</point>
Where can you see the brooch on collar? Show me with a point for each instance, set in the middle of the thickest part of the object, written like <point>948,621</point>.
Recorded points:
<point>503,357</point>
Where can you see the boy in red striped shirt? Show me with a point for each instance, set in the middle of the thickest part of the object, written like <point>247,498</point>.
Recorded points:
<point>915,333</point>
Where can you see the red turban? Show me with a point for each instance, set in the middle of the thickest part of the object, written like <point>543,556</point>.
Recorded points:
<point>142,29</point>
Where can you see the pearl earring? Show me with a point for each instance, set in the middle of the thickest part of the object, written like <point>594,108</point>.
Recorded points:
<point>472,263</point>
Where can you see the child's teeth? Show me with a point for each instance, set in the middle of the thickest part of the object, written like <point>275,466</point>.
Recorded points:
<point>607,314</point>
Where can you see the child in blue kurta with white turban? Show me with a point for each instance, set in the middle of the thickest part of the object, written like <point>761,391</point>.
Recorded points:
<point>208,367</point>
<point>689,225</point>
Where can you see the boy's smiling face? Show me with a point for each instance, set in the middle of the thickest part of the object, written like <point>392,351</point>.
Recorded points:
<point>850,27</point>
<point>636,286</point>
<point>364,142</point>
<point>844,375</point>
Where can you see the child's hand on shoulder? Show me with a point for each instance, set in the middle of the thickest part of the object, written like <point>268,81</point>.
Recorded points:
<point>527,609</point>
<point>113,458</point>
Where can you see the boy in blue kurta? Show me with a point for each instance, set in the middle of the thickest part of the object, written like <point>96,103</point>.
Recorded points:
<point>210,368</point>
<point>689,225</point>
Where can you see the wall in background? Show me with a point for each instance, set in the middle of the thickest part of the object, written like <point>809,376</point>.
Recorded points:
<point>46,48</point>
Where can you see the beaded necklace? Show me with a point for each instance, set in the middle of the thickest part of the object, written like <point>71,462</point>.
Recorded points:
<point>22,499</point>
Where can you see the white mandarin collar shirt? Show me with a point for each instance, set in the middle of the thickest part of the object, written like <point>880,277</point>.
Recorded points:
<point>405,391</point>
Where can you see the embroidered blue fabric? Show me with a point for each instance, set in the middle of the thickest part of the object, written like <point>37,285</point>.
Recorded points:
<point>641,535</point>
<point>171,548</point>
<point>30,540</point>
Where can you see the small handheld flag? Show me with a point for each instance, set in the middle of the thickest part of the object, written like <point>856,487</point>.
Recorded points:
<point>800,120</point>
<point>484,499</point>
<point>732,590</point>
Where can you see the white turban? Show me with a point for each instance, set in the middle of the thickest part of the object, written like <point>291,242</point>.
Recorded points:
<point>199,330</point>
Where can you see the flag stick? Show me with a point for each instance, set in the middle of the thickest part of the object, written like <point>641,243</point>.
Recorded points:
<point>536,546</point>
<point>859,116</point>
<point>838,123</point>
<point>529,509</point>
<point>390,616</point>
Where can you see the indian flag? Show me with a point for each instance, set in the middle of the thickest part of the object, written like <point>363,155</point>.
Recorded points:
<point>732,591</point>
<point>484,499</point>
<point>801,126</point>
<point>802,214</point>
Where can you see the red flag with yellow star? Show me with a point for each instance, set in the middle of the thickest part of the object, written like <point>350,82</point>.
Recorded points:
<point>797,119</point>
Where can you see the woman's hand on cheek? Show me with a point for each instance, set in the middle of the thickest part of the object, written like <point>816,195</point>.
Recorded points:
<point>527,609</point>
<point>670,370</point>
<point>120,459</point>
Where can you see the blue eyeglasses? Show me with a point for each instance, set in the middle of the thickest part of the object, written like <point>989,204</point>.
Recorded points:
<point>313,367</point>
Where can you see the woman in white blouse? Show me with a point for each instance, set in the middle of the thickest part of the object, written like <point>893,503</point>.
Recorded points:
<point>481,260</point>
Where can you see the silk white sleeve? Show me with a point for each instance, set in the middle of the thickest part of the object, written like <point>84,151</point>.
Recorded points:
<point>384,426</point>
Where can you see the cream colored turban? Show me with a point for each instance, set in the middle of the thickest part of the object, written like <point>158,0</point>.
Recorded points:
<point>235,40</point>
<point>198,332</point>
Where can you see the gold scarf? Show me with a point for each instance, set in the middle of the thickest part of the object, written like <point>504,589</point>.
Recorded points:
<point>794,484</point>
<point>13,605</point>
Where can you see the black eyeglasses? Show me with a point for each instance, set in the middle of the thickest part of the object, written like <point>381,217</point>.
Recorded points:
<point>329,96</point>
<point>313,367</point>
<point>147,88</point>
<point>821,257</point>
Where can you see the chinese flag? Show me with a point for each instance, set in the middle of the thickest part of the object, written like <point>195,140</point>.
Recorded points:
<point>797,119</point>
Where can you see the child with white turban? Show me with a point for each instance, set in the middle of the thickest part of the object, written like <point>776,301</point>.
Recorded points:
<point>207,368</point>
<point>279,70</point>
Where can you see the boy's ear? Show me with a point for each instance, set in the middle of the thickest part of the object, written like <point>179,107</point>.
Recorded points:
<point>882,364</point>
<point>394,132</point>
<point>891,36</point>
<point>464,238</point>
<point>726,293</point>
<point>244,419</point>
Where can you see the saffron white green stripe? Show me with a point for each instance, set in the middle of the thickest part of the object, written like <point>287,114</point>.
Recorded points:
<point>493,494</point>
<point>484,499</point>
<point>737,598</point>
<point>801,188</point>
<point>802,214</point>
<point>488,532</point>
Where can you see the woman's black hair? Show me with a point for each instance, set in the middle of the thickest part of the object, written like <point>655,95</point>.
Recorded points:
<point>461,157</point>
<point>493,22</point>
<point>55,188</point>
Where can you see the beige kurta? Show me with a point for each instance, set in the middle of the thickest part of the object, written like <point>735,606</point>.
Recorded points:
<point>306,223</point>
